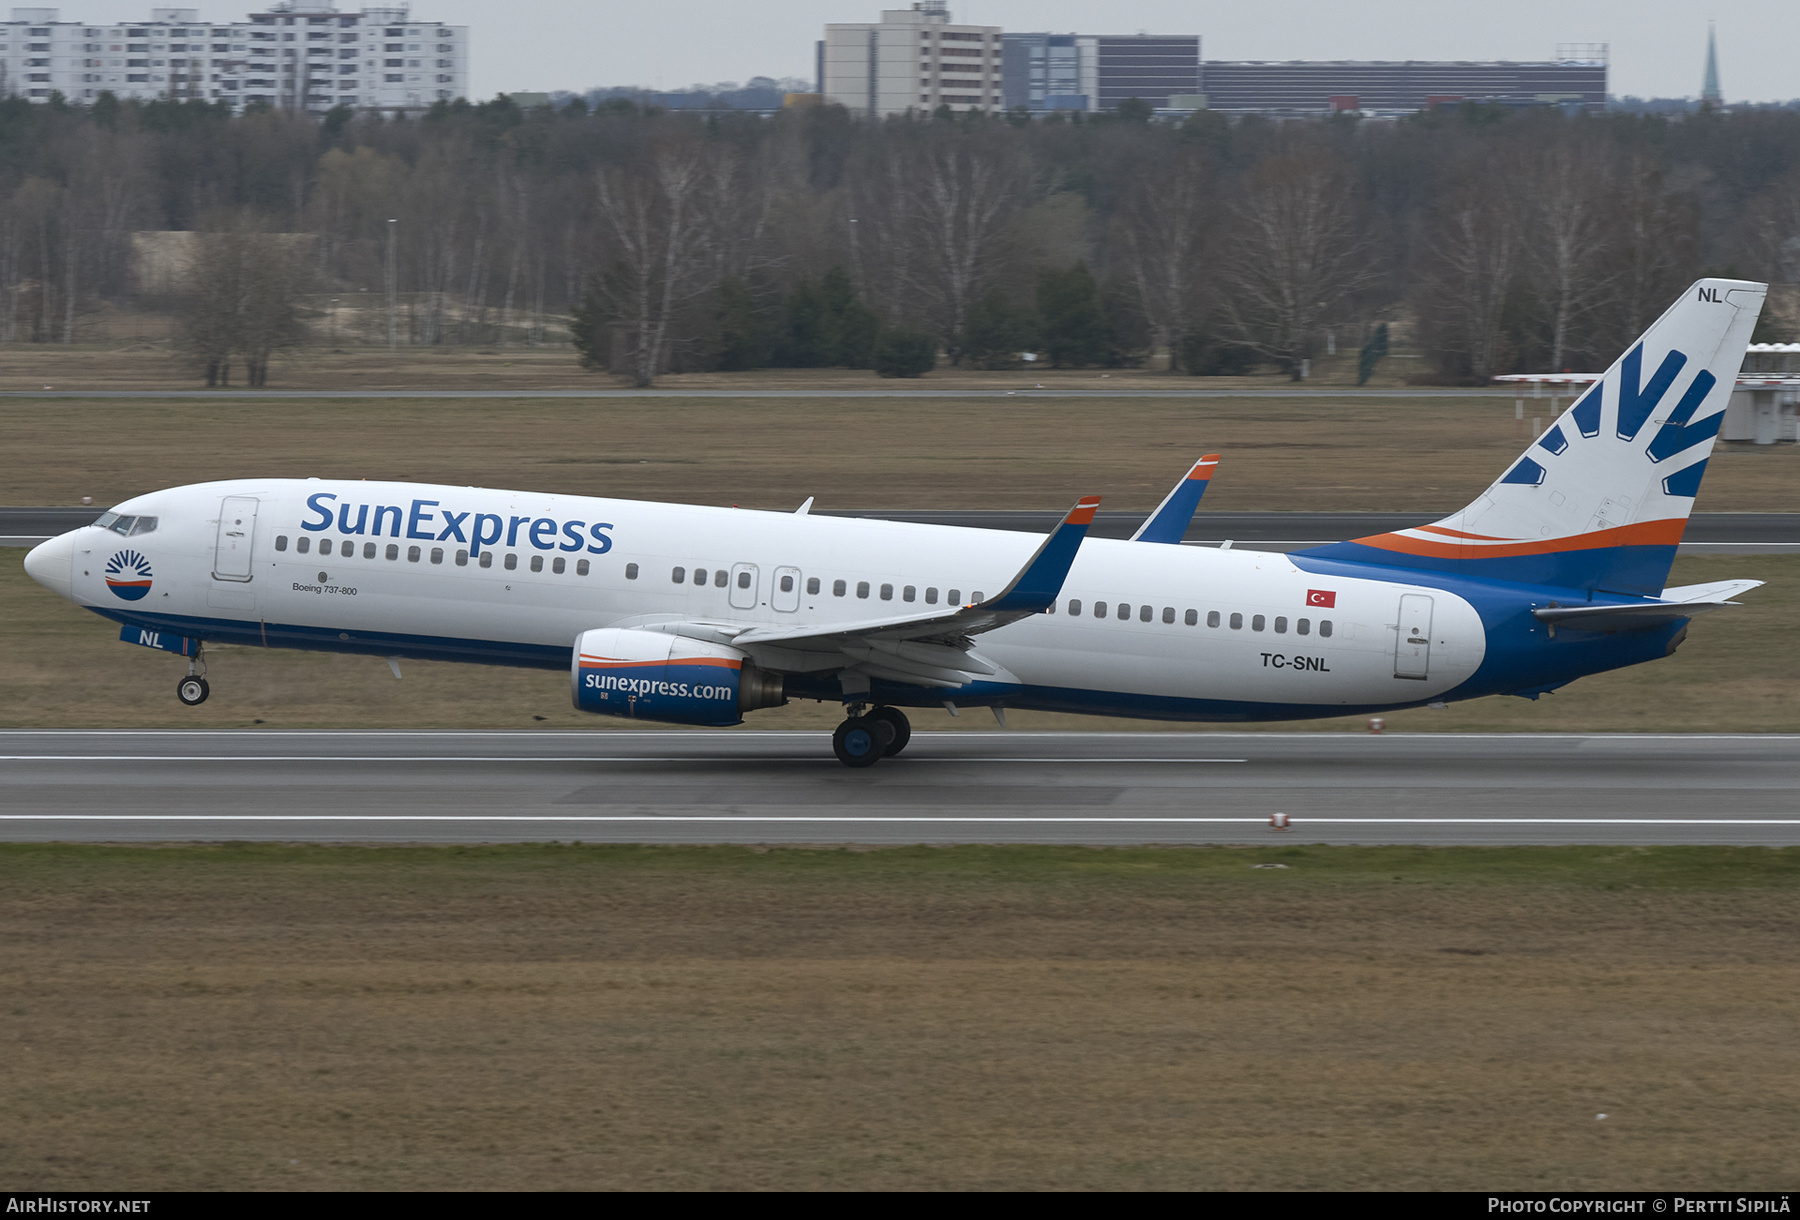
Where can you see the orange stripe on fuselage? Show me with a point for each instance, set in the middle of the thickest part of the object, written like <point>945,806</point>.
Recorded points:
<point>1643,533</point>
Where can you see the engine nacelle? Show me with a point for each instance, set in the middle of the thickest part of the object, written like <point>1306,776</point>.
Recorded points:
<point>651,675</point>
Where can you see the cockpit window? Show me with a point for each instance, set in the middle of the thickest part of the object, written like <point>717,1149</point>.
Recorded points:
<point>126,527</point>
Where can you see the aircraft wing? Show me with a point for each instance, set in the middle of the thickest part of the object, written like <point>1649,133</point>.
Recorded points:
<point>1169,523</point>
<point>932,648</point>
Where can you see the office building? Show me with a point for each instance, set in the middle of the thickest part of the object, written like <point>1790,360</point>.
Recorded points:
<point>1098,71</point>
<point>912,59</point>
<point>1576,77</point>
<point>297,56</point>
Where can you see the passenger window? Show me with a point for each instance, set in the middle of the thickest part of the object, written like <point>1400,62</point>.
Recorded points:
<point>699,576</point>
<point>743,580</point>
<point>1302,626</point>
<point>1237,621</point>
<point>581,567</point>
<point>537,563</point>
<point>303,544</point>
<point>511,564</point>
<point>630,570</point>
<point>862,588</point>
<point>812,584</point>
<point>281,542</point>
<point>787,584</point>
<point>953,598</point>
<point>678,575</point>
<point>887,592</point>
<point>1124,611</point>
<point>487,559</point>
<point>1099,609</point>
<point>1258,622</point>
<point>1325,627</point>
<point>462,558</point>
<point>368,550</point>
<point>393,552</point>
<point>324,546</point>
<point>976,598</point>
<point>1193,618</point>
<point>837,588</point>
<point>1168,614</point>
<point>1074,606</point>
<point>412,554</point>
<point>437,554</point>
<point>1145,613</point>
<point>931,595</point>
<point>1212,618</point>
<point>1281,624</point>
<point>559,565</point>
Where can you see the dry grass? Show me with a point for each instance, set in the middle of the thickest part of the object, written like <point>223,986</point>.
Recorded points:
<point>1398,455</point>
<point>147,361</point>
<point>545,1017</point>
<point>63,667</point>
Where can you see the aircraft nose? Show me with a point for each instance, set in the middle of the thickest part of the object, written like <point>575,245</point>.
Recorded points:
<point>49,563</point>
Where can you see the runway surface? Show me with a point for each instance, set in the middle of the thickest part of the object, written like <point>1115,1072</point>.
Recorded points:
<point>1027,391</point>
<point>971,787</point>
<point>1735,533</point>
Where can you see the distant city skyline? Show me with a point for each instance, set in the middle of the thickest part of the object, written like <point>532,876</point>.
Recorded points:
<point>1658,46</point>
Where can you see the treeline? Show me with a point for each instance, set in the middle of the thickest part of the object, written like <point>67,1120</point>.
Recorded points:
<point>1491,240</point>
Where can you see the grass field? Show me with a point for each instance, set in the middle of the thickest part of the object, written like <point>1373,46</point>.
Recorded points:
<point>1398,455</point>
<point>584,1017</point>
<point>63,667</point>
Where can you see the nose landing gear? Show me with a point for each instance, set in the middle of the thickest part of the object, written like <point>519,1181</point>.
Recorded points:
<point>864,740</point>
<point>193,690</point>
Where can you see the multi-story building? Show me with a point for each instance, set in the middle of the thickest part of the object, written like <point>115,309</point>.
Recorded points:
<point>303,55</point>
<point>1098,71</point>
<point>912,59</point>
<point>1575,77</point>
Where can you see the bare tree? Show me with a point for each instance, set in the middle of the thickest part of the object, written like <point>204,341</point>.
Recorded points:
<point>1472,267</point>
<point>1569,255</point>
<point>656,214</point>
<point>1163,229</point>
<point>242,300</point>
<point>1297,253</point>
<point>962,192</point>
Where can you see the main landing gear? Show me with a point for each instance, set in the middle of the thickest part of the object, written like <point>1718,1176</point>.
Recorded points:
<point>193,690</point>
<point>865,739</point>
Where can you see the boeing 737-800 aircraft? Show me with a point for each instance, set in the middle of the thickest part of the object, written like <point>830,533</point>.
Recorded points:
<point>697,615</point>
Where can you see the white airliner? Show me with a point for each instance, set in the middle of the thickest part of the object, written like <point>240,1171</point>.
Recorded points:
<point>697,615</point>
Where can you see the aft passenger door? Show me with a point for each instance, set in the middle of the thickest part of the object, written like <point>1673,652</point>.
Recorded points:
<point>785,596</point>
<point>1412,643</point>
<point>237,533</point>
<point>743,586</point>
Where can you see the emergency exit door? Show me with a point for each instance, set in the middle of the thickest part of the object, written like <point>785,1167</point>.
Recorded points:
<point>237,533</point>
<point>1412,644</point>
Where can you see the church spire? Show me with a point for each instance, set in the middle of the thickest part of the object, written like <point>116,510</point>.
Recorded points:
<point>1709,88</point>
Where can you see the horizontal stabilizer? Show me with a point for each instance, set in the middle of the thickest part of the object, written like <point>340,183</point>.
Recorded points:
<point>1169,523</point>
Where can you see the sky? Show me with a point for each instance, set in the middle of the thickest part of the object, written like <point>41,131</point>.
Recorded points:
<point>1658,46</point>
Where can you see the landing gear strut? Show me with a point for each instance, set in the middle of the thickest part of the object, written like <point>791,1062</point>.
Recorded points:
<point>193,690</point>
<point>863,740</point>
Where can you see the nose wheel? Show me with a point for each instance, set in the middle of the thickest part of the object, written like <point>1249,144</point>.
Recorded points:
<point>864,740</point>
<point>192,690</point>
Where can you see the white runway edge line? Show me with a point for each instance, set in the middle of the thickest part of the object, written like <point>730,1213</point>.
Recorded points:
<point>623,734</point>
<point>554,758</point>
<point>840,819</point>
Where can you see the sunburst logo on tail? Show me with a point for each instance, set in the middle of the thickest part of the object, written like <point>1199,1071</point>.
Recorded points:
<point>128,575</point>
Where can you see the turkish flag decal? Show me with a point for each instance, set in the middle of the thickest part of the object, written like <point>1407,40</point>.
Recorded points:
<point>1321,597</point>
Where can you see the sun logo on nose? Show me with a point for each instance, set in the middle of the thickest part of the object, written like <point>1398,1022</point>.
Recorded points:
<point>128,575</point>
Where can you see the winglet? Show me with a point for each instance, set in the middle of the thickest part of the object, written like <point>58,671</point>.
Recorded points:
<point>1169,523</point>
<point>1035,588</point>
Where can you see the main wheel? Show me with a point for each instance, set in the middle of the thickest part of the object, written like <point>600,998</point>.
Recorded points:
<point>901,725</point>
<point>857,742</point>
<point>192,691</point>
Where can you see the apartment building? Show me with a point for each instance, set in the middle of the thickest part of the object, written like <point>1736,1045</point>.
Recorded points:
<point>912,59</point>
<point>298,56</point>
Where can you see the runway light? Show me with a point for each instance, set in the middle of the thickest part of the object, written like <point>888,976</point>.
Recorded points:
<point>1278,821</point>
<point>1376,724</point>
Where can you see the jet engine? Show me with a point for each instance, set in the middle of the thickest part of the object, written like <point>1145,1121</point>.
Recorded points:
<point>652,675</point>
